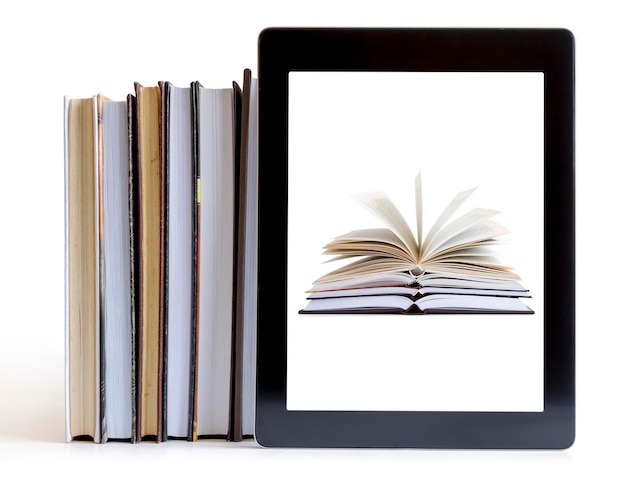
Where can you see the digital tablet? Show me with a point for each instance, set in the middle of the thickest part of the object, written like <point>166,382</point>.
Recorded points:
<point>416,238</point>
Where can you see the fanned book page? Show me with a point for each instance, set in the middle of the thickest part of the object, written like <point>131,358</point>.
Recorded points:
<point>460,246</point>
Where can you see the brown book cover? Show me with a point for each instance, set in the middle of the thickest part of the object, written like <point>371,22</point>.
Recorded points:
<point>193,399</point>
<point>242,121</point>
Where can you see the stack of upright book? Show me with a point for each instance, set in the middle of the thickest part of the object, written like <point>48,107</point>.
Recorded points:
<point>160,196</point>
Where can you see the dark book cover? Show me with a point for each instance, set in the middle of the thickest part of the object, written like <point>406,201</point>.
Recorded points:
<point>234,432</point>
<point>133,210</point>
<point>165,161</point>
<point>193,408</point>
<point>242,124</point>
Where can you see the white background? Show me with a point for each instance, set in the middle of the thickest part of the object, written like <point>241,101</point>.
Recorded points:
<point>49,49</point>
<point>355,132</point>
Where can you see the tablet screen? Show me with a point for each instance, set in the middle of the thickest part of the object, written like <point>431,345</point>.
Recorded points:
<point>416,238</point>
<point>359,132</point>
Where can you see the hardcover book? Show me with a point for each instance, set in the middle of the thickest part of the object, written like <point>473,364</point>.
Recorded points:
<point>82,271</point>
<point>216,142</point>
<point>151,259</point>
<point>115,279</point>
<point>180,270</point>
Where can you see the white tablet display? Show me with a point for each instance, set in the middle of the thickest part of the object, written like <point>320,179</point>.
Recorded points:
<point>354,132</point>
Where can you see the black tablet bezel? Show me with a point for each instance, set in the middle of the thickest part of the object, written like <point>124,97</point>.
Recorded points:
<point>284,50</point>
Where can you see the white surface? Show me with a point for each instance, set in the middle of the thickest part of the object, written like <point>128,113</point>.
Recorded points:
<point>38,37</point>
